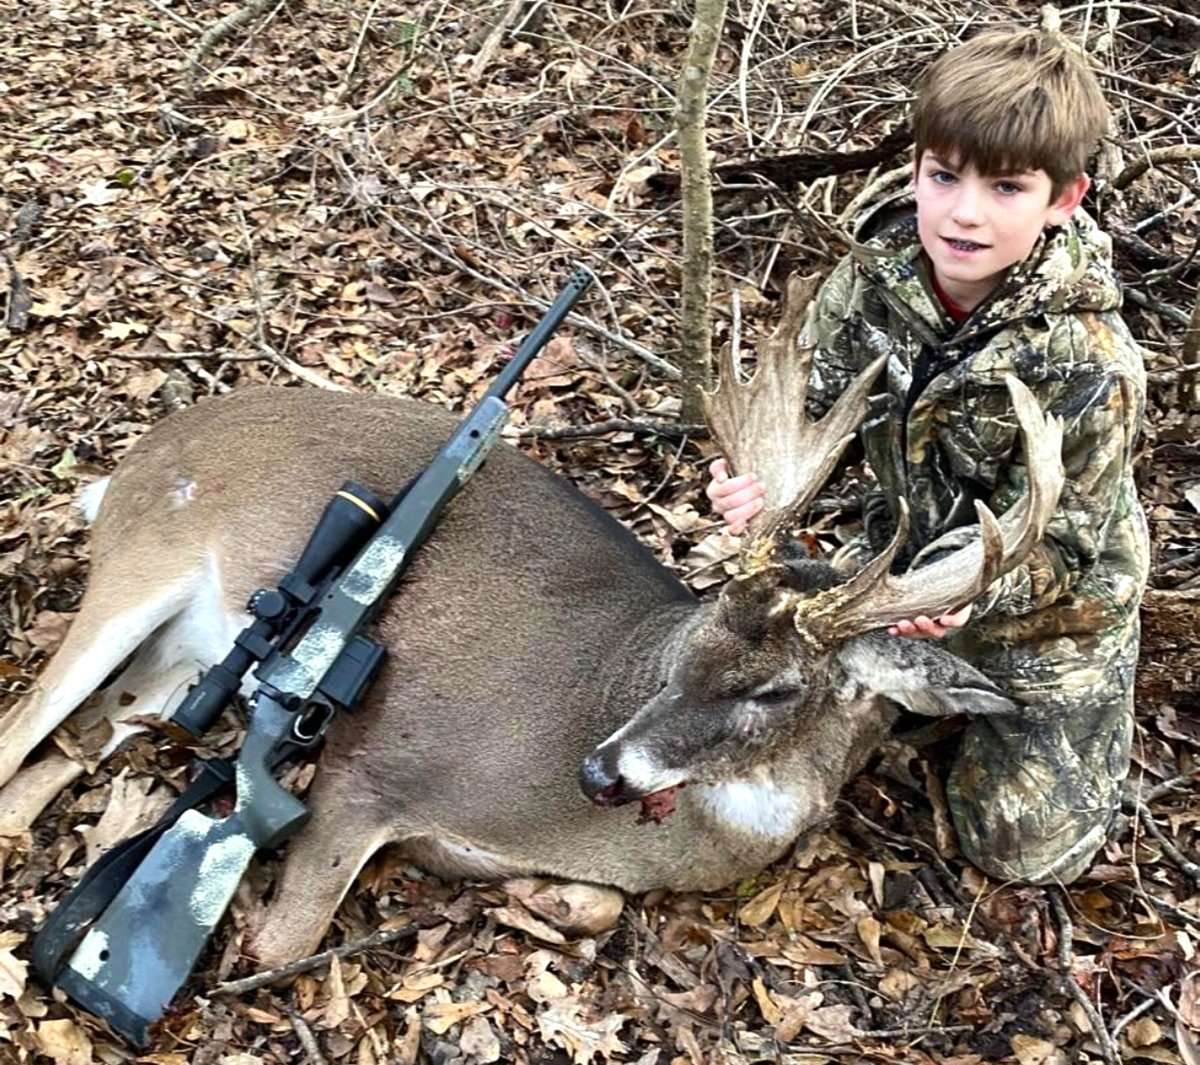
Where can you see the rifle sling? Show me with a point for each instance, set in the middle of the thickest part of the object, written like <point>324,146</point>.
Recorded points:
<point>88,899</point>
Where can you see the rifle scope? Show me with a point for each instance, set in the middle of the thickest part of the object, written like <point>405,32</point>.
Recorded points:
<point>345,524</point>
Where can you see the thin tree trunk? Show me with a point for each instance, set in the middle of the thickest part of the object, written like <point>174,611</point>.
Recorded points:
<point>696,283</point>
<point>1189,382</point>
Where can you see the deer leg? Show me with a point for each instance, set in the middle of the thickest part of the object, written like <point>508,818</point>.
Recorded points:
<point>147,686</point>
<point>99,640</point>
<point>176,635</point>
<point>321,865</point>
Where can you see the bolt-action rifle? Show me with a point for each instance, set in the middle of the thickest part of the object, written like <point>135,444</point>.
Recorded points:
<point>127,936</point>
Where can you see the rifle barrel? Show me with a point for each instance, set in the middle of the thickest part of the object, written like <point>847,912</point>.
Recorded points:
<point>577,284</point>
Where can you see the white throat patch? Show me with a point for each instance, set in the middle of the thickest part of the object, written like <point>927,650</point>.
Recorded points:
<point>752,807</point>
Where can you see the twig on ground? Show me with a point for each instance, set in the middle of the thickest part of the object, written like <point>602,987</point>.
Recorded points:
<point>1173,852</point>
<point>1172,314</point>
<point>314,961</point>
<point>307,1040</point>
<point>1066,957</point>
<point>179,20</point>
<point>492,42</point>
<point>260,324</point>
<point>647,356</point>
<point>671,430</point>
<point>352,66</point>
<point>1133,1015</point>
<point>216,33</point>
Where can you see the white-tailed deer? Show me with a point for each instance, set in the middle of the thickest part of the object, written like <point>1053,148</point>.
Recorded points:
<point>543,667</point>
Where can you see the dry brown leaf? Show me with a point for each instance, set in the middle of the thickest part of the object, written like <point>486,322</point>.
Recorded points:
<point>771,1013</point>
<point>337,1005</point>
<point>868,931</point>
<point>479,1041</point>
<point>833,1023</point>
<point>796,1012</point>
<point>516,916</point>
<point>133,805</point>
<point>1033,1051</point>
<point>416,986</point>
<point>440,1017</point>
<point>1143,1032</point>
<point>48,629</point>
<point>65,1042</point>
<point>546,987</point>
<point>562,1024</point>
<point>1189,1000</point>
<point>408,1045</point>
<point>759,909</point>
<point>897,983</point>
<point>13,971</point>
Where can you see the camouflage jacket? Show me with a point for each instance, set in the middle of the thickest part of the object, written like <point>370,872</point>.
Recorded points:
<point>941,431</point>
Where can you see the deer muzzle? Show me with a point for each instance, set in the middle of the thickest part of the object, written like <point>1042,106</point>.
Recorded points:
<point>600,778</point>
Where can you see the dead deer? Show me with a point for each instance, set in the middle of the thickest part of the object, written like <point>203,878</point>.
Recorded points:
<point>537,650</point>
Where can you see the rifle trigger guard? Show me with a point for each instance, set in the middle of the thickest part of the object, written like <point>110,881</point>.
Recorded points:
<point>311,723</point>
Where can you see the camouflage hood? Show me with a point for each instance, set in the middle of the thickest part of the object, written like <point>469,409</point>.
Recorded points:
<point>1068,271</point>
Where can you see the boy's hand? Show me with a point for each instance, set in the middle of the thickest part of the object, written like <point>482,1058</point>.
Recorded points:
<point>924,628</point>
<point>736,499</point>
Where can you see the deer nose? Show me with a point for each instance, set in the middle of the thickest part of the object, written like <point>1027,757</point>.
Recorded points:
<point>599,779</point>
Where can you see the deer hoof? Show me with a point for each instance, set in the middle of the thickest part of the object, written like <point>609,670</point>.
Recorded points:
<point>585,909</point>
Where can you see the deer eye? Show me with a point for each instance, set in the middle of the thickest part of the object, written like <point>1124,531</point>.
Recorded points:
<point>775,696</point>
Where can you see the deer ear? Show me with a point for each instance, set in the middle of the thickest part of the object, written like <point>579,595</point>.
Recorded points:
<point>922,677</point>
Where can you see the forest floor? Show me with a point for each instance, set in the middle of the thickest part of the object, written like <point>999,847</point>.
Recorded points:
<point>375,197</point>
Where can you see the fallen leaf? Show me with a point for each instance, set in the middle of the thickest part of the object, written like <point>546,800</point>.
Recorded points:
<point>516,916</point>
<point>65,1042</point>
<point>98,193</point>
<point>562,1023</point>
<point>868,931</point>
<point>440,1017</point>
<point>897,983</point>
<point>479,1041</point>
<point>1143,1032</point>
<point>132,806</point>
<point>546,987</point>
<point>759,909</point>
<point>337,1006</point>
<point>1033,1051</point>
<point>13,971</point>
<point>771,1013</point>
<point>833,1023</point>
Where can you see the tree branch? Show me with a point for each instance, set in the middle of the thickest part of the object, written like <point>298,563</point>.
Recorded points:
<point>696,282</point>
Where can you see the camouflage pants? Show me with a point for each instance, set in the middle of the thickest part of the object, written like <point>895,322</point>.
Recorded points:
<point>1033,795</point>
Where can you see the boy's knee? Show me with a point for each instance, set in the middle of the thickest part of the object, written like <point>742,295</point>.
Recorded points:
<point>1033,801</point>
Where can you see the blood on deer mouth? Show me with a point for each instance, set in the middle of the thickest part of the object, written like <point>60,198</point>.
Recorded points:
<point>658,805</point>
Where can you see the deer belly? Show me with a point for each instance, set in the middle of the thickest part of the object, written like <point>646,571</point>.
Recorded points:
<point>453,858</point>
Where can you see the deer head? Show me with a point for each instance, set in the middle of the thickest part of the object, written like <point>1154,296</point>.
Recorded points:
<point>789,649</point>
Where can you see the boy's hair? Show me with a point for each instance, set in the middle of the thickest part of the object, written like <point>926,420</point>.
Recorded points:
<point>1011,100</point>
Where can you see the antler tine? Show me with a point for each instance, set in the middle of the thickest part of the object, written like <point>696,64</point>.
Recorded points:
<point>874,597</point>
<point>761,426</point>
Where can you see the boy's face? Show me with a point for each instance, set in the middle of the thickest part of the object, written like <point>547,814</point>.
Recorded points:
<point>973,228</point>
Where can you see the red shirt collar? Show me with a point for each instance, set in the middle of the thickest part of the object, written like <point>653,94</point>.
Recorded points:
<point>959,314</point>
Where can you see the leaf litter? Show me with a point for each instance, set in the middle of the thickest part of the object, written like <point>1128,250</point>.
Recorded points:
<point>291,215</point>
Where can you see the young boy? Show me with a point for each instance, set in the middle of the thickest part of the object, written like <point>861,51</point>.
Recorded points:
<point>991,269</point>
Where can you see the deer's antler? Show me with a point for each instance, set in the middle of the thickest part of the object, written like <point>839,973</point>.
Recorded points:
<point>761,426</point>
<point>874,597</point>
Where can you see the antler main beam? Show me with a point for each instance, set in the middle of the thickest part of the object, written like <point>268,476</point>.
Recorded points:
<point>874,597</point>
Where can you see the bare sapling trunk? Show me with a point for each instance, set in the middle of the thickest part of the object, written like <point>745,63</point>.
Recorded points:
<point>696,190</point>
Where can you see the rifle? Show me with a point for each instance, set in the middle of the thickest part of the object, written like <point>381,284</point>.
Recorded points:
<point>137,921</point>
